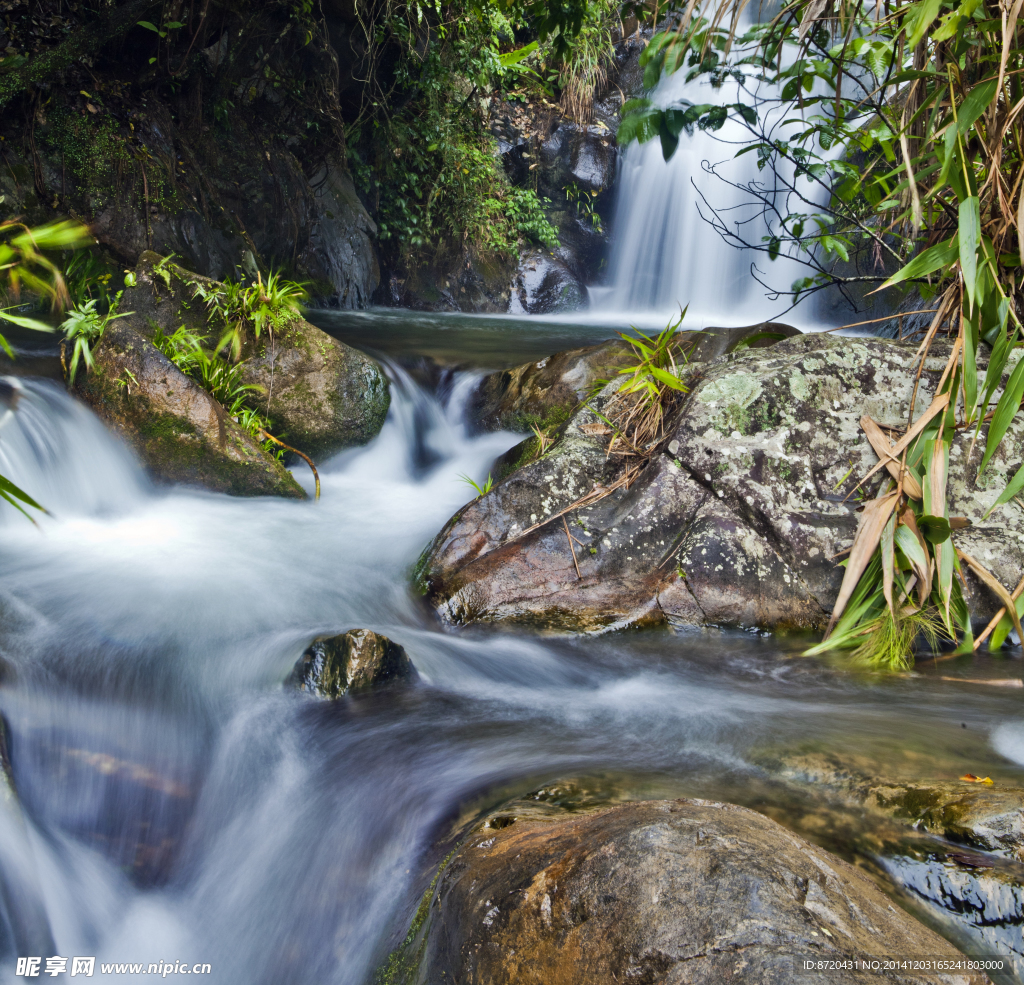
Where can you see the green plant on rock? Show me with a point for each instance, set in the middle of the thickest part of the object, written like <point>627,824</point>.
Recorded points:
<point>585,203</point>
<point>480,490</point>
<point>222,379</point>
<point>84,327</point>
<point>263,307</point>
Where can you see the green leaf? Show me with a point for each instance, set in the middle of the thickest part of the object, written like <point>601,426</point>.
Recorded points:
<point>919,20</point>
<point>12,493</point>
<point>149,26</point>
<point>512,57</point>
<point>1014,486</point>
<point>1003,627</point>
<point>974,105</point>
<point>1009,404</point>
<point>934,529</point>
<point>970,235</point>
<point>927,262</point>
<point>22,322</point>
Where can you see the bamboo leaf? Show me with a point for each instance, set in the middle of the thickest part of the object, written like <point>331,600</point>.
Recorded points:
<point>996,586</point>
<point>869,532</point>
<point>927,262</point>
<point>939,403</point>
<point>970,236</point>
<point>882,447</point>
<point>888,560</point>
<point>909,540</point>
<point>1009,404</point>
<point>1004,626</point>
<point>1014,486</point>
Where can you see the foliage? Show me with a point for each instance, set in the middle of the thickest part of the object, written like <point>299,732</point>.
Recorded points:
<point>261,307</point>
<point>906,124</point>
<point>221,379</point>
<point>583,67</point>
<point>25,266</point>
<point>84,327</point>
<point>417,150</point>
<point>480,490</point>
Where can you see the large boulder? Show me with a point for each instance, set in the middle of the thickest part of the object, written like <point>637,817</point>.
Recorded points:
<point>736,519</point>
<point>544,285</point>
<point>319,394</point>
<point>178,430</point>
<point>350,662</point>
<point>681,891</point>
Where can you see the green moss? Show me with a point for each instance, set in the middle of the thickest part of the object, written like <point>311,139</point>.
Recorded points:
<point>404,961</point>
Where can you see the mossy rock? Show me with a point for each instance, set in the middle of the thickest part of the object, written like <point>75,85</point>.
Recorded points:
<point>178,430</point>
<point>319,394</point>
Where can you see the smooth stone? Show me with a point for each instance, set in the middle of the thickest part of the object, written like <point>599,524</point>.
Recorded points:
<point>355,661</point>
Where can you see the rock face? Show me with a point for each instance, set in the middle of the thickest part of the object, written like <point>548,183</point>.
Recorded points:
<point>660,892</point>
<point>544,284</point>
<point>468,281</point>
<point>321,394</point>
<point>354,661</point>
<point>736,518</point>
<point>989,818</point>
<point>181,433</point>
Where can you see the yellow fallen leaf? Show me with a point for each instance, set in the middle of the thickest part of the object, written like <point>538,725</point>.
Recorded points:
<point>971,778</point>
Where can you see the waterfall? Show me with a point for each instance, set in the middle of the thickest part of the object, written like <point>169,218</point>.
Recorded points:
<point>665,255</point>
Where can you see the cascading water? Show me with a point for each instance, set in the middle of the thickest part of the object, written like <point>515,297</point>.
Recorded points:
<point>665,254</point>
<point>175,802</point>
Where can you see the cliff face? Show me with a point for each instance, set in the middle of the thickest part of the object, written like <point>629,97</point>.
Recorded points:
<point>217,137</point>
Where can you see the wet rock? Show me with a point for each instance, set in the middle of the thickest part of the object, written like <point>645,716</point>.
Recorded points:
<point>977,900</point>
<point>986,817</point>
<point>544,284</point>
<point>473,280</point>
<point>738,515</point>
<point>354,661</point>
<point>178,430</point>
<point>320,394</point>
<point>663,891</point>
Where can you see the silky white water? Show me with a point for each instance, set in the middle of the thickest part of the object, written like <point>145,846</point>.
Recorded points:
<point>178,803</point>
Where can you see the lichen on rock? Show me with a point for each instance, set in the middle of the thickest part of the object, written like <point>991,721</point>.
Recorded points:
<point>740,514</point>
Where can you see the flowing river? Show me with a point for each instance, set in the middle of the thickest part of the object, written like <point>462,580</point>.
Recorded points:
<point>180,804</point>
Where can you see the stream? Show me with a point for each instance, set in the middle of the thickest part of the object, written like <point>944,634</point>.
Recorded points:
<point>180,804</point>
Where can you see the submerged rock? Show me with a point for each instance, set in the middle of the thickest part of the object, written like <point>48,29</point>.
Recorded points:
<point>178,430</point>
<point>354,661</point>
<point>663,891</point>
<point>320,394</point>
<point>986,817</point>
<point>736,519</point>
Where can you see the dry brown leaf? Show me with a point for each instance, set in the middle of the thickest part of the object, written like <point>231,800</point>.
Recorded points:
<point>882,447</point>
<point>937,405</point>
<point>869,532</point>
<point>997,586</point>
